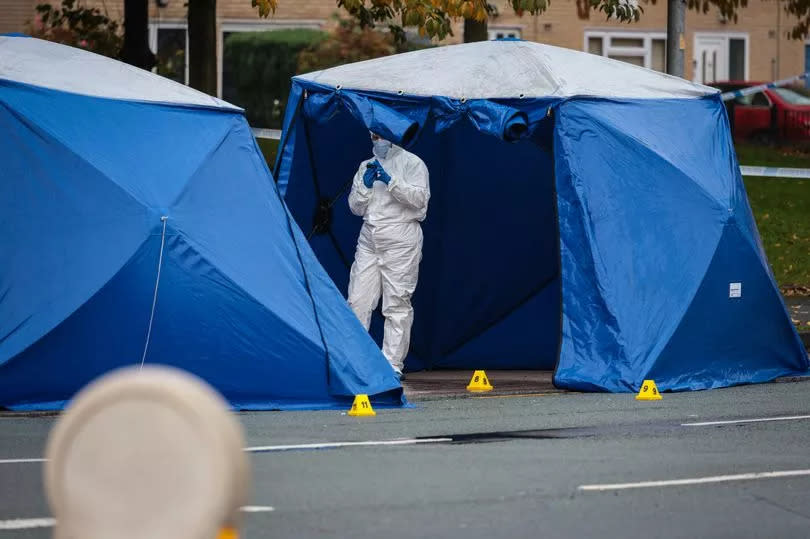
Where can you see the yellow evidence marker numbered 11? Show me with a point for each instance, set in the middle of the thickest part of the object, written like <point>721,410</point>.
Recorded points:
<point>361,407</point>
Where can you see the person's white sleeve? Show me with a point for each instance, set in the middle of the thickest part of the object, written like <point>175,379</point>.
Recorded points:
<point>413,190</point>
<point>360,195</point>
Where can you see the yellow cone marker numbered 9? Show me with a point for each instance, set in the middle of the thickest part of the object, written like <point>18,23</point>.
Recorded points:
<point>361,407</point>
<point>479,382</point>
<point>648,392</point>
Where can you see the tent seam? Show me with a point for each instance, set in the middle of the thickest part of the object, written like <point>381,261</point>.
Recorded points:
<point>663,158</point>
<point>616,329</point>
<point>187,240</point>
<point>33,126</point>
<point>202,162</point>
<point>686,307</point>
<point>80,305</point>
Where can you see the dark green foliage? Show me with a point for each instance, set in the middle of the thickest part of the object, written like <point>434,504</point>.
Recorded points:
<point>257,67</point>
<point>79,26</point>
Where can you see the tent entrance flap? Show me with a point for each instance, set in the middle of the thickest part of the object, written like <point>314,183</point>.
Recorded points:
<point>489,288</point>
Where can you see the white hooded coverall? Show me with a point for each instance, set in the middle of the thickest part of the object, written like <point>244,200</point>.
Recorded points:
<point>389,248</point>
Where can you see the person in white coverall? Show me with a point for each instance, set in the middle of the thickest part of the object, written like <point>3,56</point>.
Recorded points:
<point>390,192</point>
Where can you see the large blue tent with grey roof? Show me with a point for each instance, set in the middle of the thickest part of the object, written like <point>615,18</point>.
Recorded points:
<point>140,224</point>
<point>587,216</point>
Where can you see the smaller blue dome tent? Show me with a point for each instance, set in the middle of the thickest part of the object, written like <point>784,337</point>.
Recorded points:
<point>139,223</point>
<point>587,216</point>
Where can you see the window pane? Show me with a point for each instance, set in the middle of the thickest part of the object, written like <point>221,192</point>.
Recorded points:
<point>791,96</point>
<point>759,100</point>
<point>595,45</point>
<point>171,53</point>
<point>659,55</point>
<point>636,43</point>
<point>635,60</point>
<point>736,59</point>
<point>745,100</point>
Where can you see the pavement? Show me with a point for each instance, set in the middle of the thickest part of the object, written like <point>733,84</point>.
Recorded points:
<point>431,385</point>
<point>507,466</point>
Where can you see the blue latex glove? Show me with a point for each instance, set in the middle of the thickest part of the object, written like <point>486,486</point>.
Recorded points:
<point>370,175</point>
<point>382,175</point>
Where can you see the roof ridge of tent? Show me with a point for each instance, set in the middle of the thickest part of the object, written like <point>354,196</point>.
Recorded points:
<point>28,60</point>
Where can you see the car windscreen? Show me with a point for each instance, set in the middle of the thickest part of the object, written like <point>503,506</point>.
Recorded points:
<point>791,96</point>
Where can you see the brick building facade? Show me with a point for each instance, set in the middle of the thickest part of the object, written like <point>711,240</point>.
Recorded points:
<point>754,48</point>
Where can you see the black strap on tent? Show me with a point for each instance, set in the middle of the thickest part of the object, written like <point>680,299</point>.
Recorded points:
<point>283,145</point>
<point>322,217</point>
<point>322,220</point>
<point>307,284</point>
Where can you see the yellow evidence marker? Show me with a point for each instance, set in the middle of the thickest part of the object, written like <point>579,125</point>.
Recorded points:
<point>648,392</point>
<point>361,407</point>
<point>479,382</point>
<point>228,533</point>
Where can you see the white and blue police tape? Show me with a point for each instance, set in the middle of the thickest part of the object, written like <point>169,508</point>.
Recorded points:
<point>260,132</point>
<point>776,172</point>
<point>754,89</point>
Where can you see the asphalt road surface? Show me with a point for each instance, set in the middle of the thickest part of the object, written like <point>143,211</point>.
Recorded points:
<point>556,465</point>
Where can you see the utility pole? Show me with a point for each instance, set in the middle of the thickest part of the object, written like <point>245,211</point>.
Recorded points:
<point>676,40</point>
<point>778,36</point>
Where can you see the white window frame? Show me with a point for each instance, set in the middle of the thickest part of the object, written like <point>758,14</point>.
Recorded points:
<point>494,30</point>
<point>608,50</point>
<point>173,24</point>
<point>252,25</point>
<point>726,36</point>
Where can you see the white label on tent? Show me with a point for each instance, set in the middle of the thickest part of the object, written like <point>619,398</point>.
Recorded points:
<point>735,290</point>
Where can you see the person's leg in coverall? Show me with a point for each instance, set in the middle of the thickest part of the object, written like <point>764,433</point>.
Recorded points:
<point>391,193</point>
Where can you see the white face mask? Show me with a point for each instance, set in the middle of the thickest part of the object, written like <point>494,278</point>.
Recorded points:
<point>381,148</point>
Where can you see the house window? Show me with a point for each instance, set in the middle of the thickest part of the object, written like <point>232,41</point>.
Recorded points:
<point>736,59</point>
<point>503,33</point>
<point>720,57</point>
<point>641,49</point>
<point>169,43</point>
<point>226,74</point>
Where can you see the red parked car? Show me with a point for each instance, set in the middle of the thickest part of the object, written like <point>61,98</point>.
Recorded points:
<point>772,115</point>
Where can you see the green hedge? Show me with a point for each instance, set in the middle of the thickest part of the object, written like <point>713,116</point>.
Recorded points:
<point>256,71</point>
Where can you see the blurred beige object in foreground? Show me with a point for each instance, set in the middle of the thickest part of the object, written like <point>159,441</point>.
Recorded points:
<point>146,454</point>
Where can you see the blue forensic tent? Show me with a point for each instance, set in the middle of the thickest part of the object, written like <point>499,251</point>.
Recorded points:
<point>139,222</point>
<point>587,215</point>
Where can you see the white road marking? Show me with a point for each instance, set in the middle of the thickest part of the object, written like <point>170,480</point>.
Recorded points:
<point>29,523</point>
<point>257,508</point>
<point>737,421</point>
<point>298,447</point>
<point>696,481</point>
<point>26,523</point>
<point>20,461</point>
<point>335,445</point>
